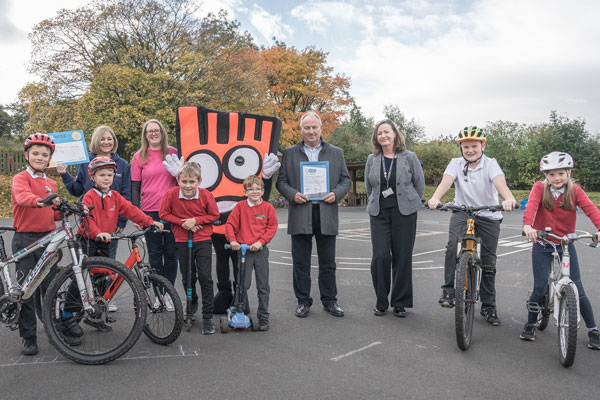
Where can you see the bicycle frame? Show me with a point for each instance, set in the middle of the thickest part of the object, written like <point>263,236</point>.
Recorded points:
<point>51,243</point>
<point>560,271</point>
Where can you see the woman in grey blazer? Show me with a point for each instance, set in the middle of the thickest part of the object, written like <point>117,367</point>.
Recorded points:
<point>395,183</point>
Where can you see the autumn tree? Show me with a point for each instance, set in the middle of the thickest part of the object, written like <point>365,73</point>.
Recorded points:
<point>121,62</point>
<point>300,81</point>
<point>354,136</point>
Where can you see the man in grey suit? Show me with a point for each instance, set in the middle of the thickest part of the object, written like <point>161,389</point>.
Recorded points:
<point>308,218</point>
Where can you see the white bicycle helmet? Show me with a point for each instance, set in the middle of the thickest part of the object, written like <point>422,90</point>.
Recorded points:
<point>556,160</point>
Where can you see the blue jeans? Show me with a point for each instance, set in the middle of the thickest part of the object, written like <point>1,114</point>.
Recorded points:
<point>541,260</point>
<point>161,250</point>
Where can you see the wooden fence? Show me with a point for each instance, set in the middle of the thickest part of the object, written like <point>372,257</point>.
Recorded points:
<point>12,162</point>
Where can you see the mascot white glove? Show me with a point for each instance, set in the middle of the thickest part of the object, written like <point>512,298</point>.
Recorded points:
<point>172,164</point>
<point>270,165</point>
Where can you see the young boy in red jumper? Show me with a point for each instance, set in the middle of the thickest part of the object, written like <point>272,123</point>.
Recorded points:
<point>254,222</point>
<point>108,205</point>
<point>33,220</point>
<point>190,208</point>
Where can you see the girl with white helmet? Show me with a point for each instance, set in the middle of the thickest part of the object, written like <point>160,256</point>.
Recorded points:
<point>552,203</point>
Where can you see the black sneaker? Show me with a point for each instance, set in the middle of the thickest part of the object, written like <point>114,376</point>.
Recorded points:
<point>264,326</point>
<point>594,337</point>
<point>399,312</point>
<point>378,312</point>
<point>100,325</point>
<point>490,314</point>
<point>70,327</point>
<point>208,326</point>
<point>528,332</point>
<point>29,346</point>
<point>446,300</point>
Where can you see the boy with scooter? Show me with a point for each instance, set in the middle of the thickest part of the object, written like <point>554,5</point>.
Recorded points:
<point>254,222</point>
<point>192,209</point>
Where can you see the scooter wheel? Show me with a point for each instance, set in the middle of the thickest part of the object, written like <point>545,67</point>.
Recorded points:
<point>224,325</point>
<point>253,324</point>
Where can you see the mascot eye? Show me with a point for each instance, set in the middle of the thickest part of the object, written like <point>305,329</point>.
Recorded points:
<point>240,162</point>
<point>211,168</point>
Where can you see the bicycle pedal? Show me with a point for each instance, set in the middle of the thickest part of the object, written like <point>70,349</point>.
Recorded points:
<point>13,327</point>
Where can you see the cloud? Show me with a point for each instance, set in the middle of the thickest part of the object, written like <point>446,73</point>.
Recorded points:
<point>9,31</point>
<point>269,25</point>
<point>214,6</point>
<point>509,60</point>
<point>324,17</point>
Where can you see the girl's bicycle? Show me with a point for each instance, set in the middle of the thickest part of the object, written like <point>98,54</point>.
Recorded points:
<point>81,289</point>
<point>164,321</point>
<point>561,298</point>
<point>468,273</point>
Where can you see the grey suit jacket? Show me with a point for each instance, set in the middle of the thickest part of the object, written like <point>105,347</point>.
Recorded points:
<point>288,184</point>
<point>410,182</point>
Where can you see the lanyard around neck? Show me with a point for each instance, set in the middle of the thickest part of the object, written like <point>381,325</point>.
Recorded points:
<point>388,173</point>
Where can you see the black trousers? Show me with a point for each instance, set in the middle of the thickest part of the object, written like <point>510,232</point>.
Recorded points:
<point>489,231</point>
<point>93,248</point>
<point>392,241</point>
<point>27,317</point>
<point>222,264</point>
<point>201,271</point>
<point>301,256</point>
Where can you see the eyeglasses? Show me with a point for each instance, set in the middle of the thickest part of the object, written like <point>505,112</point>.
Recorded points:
<point>153,131</point>
<point>254,190</point>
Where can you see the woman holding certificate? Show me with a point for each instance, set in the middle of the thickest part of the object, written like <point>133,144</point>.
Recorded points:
<point>395,183</point>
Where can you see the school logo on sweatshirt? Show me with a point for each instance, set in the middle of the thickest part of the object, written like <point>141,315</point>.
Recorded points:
<point>259,217</point>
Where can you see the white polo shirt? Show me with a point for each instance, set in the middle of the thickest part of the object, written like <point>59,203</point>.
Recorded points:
<point>476,189</point>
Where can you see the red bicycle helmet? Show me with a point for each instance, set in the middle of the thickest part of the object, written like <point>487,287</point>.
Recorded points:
<point>41,139</point>
<point>99,163</point>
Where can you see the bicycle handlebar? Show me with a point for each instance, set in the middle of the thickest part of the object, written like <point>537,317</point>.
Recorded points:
<point>66,208</point>
<point>568,238</point>
<point>137,234</point>
<point>467,209</point>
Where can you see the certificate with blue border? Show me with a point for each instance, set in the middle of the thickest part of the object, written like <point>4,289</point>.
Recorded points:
<point>314,179</point>
<point>70,148</point>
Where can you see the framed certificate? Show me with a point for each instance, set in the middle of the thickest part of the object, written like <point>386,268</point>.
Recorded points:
<point>314,179</point>
<point>70,148</point>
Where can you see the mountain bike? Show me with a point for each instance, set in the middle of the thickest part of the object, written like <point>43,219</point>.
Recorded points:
<point>163,325</point>
<point>75,290</point>
<point>561,292</point>
<point>468,273</point>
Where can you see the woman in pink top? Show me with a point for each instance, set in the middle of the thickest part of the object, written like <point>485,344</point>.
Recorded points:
<point>149,182</point>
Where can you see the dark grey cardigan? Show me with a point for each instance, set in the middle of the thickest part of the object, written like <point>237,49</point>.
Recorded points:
<point>410,182</point>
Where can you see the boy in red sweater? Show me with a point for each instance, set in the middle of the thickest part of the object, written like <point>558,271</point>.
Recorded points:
<point>192,209</point>
<point>33,220</point>
<point>553,203</point>
<point>254,222</point>
<point>108,205</point>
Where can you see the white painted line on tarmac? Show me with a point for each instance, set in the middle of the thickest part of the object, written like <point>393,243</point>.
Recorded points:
<point>512,252</point>
<point>512,243</point>
<point>355,351</point>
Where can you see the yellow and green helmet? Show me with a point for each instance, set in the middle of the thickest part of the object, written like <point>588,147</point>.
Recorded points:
<point>471,133</point>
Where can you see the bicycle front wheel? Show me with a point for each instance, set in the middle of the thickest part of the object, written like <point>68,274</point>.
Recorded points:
<point>464,300</point>
<point>162,325</point>
<point>95,337</point>
<point>567,326</point>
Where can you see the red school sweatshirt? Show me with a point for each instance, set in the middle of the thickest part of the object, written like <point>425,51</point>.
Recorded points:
<point>251,224</point>
<point>25,193</point>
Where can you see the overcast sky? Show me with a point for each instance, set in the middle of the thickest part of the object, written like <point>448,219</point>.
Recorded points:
<point>445,63</point>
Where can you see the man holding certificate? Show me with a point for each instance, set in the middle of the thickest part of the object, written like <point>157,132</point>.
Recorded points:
<point>313,178</point>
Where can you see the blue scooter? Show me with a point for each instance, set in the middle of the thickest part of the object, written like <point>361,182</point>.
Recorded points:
<point>236,319</point>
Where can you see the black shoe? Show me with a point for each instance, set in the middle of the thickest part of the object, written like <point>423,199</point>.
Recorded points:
<point>71,340</point>
<point>334,309</point>
<point>490,314</point>
<point>447,300</point>
<point>70,327</point>
<point>528,332</point>
<point>29,346</point>
<point>400,312</point>
<point>208,326</point>
<point>302,310</point>
<point>378,312</point>
<point>263,327</point>
<point>594,339</point>
<point>100,325</point>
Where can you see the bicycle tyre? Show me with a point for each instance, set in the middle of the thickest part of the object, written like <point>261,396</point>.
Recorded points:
<point>567,326</point>
<point>162,327</point>
<point>97,347</point>
<point>464,301</point>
